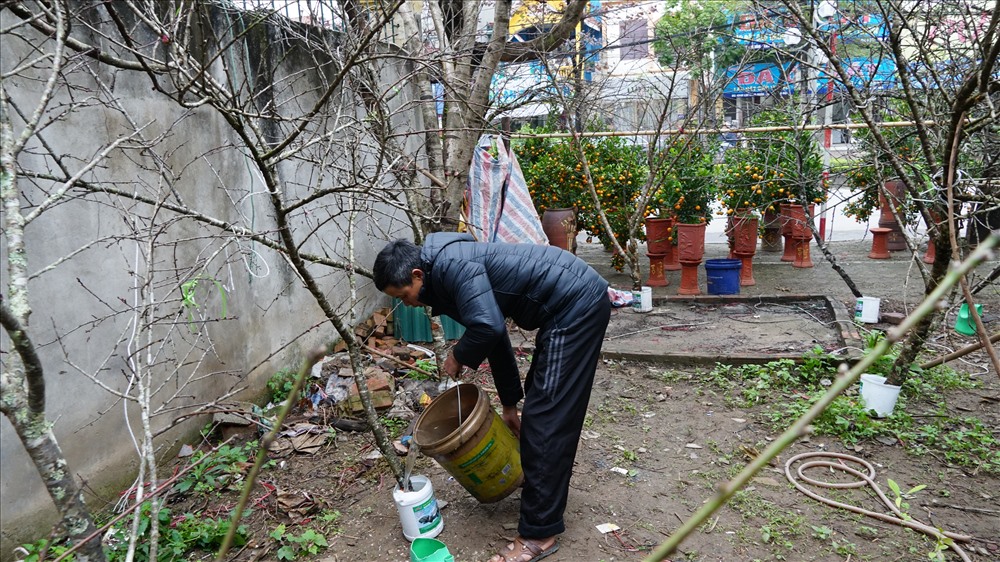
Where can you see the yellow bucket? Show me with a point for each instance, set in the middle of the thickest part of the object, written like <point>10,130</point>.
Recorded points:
<point>479,449</point>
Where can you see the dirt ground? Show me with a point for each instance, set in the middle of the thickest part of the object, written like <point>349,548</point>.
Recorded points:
<point>677,439</point>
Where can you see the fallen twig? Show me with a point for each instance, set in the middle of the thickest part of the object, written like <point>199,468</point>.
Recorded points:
<point>433,376</point>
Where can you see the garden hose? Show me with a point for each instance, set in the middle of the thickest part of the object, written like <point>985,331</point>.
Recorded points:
<point>864,479</point>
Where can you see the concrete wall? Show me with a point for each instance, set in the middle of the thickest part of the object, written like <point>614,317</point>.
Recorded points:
<point>82,318</point>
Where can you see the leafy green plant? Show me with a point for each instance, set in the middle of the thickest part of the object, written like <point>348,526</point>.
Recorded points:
<point>178,536</point>
<point>309,542</point>
<point>328,516</point>
<point>43,549</point>
<point>281,384</point>
<point>822,532</point>
<point>899,496</point>
<point>428,365</point>
<point>394,426</point>
<point>684,182</point>
<point>845,548</point>
<point>189,291</point>
<point>943,543</point>
<point>221,469</point>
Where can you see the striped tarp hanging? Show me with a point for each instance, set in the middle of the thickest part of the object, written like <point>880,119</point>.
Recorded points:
<point>498,204</point>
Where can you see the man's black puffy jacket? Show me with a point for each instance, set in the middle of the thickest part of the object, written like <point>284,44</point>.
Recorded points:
<point>481,284</point>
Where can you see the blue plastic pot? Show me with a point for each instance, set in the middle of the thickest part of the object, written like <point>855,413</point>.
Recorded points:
<point>723,276</point>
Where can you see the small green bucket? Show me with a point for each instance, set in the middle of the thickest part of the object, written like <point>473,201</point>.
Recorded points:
<point>429,550</point>
<point>964,324</point>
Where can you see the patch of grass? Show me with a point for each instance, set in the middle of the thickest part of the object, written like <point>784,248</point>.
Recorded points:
<point>605,415</point>
<point>785,391</point>
<point>776,525</point>
<point>627,406</point>
<point>669,376</point>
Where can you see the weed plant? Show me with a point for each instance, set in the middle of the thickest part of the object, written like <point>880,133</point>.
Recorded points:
<point>428,365</point>
<point>785,390</point>
<point>223,469</point>
<point>179,536</point>
<point>281,384</point>
<point>307,543</point>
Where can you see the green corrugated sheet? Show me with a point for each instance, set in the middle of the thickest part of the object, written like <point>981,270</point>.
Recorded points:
<point>410,324</point>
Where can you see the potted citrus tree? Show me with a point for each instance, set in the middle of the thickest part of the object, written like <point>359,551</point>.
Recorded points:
<point>744,175</point>
<point>556,184</point>
<point>787,167</point>
<point>874,183</point>
<point>684,192</point>
<point>556,179</point>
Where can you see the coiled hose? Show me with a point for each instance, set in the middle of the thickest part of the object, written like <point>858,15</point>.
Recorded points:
<point>864,479</point>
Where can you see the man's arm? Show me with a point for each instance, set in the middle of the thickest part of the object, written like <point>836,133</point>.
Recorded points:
<point>466,285</point>
<point>506,376</point>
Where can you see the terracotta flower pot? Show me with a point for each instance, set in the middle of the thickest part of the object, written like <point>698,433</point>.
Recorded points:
<point>896,190</point>
<point>887,218</point>
<point>880,240</point>
<point>799,220</point>
<point>745,235</point>
<point>786,232</point>
<point>931,254</point>
<point>691,242</point>
<point>691,250</point>
<point>801,233</point>
<point>770,241</point>
<point>560,228</point>
<point>658,235</point>
<point>657,276</point>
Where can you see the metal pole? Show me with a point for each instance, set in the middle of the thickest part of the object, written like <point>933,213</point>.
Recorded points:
<point>827,136</point>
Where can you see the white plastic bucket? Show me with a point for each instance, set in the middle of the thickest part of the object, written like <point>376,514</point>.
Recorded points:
<point>642,300</point>
<point>866,310</point>
<point>418,510</point>
<point>877,395</point>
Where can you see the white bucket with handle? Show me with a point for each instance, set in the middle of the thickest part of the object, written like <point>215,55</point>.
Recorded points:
<point>877,395</point>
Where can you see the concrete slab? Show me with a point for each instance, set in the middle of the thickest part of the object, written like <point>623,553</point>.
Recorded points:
<point>804,307</point>
<point>732,329</point>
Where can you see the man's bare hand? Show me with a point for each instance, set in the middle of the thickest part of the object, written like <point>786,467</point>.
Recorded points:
<point>512,420</point>
<point>452,368</point>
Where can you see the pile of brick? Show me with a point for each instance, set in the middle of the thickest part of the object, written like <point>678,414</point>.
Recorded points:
<point>376,333</point>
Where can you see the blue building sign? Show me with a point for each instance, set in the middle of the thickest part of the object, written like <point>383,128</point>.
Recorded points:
<point>864,73</point>
<point>761,79</point>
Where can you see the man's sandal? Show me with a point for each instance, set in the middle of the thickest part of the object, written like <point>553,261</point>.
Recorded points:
<point>524,550</point>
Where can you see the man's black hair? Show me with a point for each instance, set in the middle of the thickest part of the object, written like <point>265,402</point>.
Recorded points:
<point>395,263</point>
